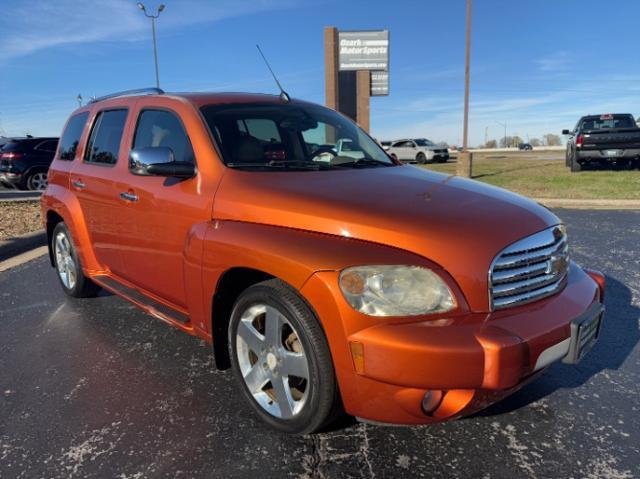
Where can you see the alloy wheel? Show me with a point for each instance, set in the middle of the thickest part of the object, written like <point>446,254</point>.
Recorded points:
<point>38,181</point>
<point>65,264</point>
<point>272,361</point>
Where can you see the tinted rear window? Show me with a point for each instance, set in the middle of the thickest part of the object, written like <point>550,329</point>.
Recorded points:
<point>20,145</point>
<point>71,136</point>
<point>104,143</point>
<point>608,122</point>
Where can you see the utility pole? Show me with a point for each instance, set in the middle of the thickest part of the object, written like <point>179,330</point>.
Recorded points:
<point>153,31</point>
<point>486,135</point>
<point>464,166</point>
<point>79,100</point>
<point>504,138</point>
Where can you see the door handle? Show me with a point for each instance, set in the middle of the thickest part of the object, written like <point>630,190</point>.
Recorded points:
<point>78,184</point>
<point>125,195</point>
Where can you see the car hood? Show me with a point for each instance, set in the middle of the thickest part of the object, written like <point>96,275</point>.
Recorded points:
<point>459,224</point>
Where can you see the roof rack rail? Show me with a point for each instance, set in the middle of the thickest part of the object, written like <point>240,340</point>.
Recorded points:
<point>138,91</point>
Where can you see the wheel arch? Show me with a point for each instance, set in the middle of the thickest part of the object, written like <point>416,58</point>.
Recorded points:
<point>59,203</point>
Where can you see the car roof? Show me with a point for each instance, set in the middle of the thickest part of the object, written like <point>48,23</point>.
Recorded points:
<point>197,99</point>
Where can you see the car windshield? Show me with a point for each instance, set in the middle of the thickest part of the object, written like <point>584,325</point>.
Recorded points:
<point>290,136</point>
<point>424,142</point>
<point>606,122</point>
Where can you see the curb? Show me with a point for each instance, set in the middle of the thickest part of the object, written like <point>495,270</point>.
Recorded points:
<point>20,244</point>
<point>582,204</point>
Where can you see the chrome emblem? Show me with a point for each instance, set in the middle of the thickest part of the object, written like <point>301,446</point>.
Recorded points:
<point>557,264</point>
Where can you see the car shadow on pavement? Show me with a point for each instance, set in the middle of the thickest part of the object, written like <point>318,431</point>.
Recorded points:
<point>618,338</point>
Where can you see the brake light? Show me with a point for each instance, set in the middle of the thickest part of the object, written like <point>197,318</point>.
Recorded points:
<point>11,156</point>
<point>579,141</point>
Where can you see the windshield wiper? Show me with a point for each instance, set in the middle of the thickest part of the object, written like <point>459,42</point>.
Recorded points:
<point>363,162</point>
<point>281,164</point>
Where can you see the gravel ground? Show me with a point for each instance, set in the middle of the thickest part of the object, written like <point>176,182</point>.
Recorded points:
<point>18,218</point>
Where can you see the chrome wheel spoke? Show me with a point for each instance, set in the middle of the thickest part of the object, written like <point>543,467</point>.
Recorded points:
<point>256,378</point>
<point>283,396</point>
<point>295,364</point>
<point>252,338</point>
<point>273,327</point>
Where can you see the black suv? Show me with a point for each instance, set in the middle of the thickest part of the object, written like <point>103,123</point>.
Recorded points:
<point>24,162</point>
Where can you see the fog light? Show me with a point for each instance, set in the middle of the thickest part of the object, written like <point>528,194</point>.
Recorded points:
<point>431,400</point>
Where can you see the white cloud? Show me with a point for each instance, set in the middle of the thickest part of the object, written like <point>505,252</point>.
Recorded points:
<point>559,61</point>
<point>27,27</point>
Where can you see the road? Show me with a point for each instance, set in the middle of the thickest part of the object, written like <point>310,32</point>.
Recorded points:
<point>95,388</point>
<point>9,194</point>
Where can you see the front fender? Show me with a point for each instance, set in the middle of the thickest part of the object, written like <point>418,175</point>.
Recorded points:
<point>290,255</point>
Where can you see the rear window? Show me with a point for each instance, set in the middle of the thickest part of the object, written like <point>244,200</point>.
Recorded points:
<point>104,142</point>
<point>71,136</point>
<point>48,146</point>
<point>20,145</point>
<point>607,122</point>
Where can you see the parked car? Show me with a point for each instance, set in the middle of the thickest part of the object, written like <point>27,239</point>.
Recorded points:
<point>24,162</point>
<point>385,145</point>
<point>597,139</point>
<point>525,146</point>
<point>400,294</point>
<point>418,150</point>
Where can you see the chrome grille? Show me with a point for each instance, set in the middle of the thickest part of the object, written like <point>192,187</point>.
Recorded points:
<point>530,269</point>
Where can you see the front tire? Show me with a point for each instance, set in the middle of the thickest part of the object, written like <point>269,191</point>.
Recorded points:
<point>281,359</point>
<point>421,158</point>
<point>73,281</point>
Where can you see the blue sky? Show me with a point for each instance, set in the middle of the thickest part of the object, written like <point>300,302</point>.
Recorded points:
<point>536,64</point>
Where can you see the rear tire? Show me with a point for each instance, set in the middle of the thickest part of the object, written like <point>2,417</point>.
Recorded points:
<point>36,181</point>
<point>281,360</point>
<point>73,281</point>
<point>575,165</point>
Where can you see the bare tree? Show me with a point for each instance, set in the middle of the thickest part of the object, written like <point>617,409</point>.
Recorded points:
<point>491,144</point>
<point>510,141</point>
<point>551,139</point>
<point>535,142</point>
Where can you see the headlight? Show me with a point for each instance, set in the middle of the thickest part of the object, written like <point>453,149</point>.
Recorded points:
<point>395,290</point>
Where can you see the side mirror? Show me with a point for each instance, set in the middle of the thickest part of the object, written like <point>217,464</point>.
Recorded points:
<point>566,132</point>
<point>159,161</point>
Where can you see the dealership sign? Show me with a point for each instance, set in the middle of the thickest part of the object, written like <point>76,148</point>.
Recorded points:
<point>367,50</point>
<point>379,83</point>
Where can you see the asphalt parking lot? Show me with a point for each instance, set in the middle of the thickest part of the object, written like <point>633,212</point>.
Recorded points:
<point>96,388</point>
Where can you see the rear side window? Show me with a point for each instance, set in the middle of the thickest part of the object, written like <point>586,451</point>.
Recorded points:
<point>71,136</point>
<point>49,146</point>
<point>104,142</point>
<point>163,128</point>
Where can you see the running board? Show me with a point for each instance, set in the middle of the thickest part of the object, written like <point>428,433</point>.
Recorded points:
<point>156,308</point>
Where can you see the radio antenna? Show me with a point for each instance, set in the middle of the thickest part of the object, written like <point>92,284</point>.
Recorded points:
<point>284,96</point>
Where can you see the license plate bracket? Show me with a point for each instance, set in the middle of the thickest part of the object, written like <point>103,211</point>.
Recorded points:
<point>585,331</point>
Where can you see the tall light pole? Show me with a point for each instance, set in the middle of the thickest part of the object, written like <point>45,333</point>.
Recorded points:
<point>153,31</point>
<point>505,132</point>
<point>465,159</point>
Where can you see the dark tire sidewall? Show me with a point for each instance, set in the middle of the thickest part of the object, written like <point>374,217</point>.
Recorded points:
<point>312,415</point>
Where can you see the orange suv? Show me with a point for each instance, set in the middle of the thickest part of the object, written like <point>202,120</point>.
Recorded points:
<point>327,280</point>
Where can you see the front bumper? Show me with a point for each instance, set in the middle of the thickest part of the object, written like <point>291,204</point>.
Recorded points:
<point>475,359</point>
